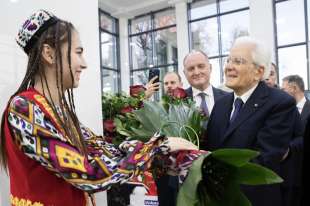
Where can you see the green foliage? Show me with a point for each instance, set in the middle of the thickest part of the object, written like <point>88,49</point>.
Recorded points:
<point>216,178</point>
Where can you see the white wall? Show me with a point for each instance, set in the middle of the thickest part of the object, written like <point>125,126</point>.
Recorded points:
<point>261,22</point>
<point>84,15</point>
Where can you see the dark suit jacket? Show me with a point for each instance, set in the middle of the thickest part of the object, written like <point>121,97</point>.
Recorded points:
<point>293,166</point>
<point>168,186</point>
<point>266,123</point>
<point>305,200</point>
<point>305,113</point>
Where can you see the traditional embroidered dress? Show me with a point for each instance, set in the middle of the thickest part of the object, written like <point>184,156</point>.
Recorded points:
<point>46,169</point>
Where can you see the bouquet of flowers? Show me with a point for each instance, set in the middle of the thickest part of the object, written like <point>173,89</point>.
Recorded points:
<point>214,178</point>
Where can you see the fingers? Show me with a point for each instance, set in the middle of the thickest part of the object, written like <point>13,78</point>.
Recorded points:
<point>177,143</point>
<point>152,80</point>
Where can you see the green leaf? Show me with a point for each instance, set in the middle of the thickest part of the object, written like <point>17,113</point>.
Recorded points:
<point>187,193</point>
<point>235,157</point>
<point>254,174</point>
<point>233,196</point>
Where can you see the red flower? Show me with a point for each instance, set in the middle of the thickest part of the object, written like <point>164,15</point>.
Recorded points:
<point>109,125</point>
<point>178,93</point>
<point>108,139</point>
<point>126,110</point>
<point>136,90</point>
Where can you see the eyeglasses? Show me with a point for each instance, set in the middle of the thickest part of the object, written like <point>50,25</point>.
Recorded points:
<point>237,61</point>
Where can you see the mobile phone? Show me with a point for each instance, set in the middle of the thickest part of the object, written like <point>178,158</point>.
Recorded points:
<point>152,73</point>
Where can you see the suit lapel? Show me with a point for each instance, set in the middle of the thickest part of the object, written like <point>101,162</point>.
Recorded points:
<point>216,94</point>
<point>305,110</point>
<point>256,100</point>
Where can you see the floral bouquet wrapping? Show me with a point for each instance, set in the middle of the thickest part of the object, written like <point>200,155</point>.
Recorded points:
<point>214,178</point>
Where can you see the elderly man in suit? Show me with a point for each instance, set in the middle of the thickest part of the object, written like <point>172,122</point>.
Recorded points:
<point>197,70</point>
<point>294,85</point>
<point>255,116</point>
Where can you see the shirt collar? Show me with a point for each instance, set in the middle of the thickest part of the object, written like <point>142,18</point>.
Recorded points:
<point>208,91</point>
<point>301,103</point>
<point>246,95</point>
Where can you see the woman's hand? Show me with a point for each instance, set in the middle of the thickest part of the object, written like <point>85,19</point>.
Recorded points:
<point>178,143</point>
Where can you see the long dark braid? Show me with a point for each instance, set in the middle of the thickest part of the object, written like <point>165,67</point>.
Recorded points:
<point>55,36</point>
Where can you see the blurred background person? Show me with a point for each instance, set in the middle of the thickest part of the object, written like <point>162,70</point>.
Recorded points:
<point>273,76</point>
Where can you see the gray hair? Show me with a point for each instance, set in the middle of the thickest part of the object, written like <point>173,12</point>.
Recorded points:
<point>296,79</point>
<point>261,54</point>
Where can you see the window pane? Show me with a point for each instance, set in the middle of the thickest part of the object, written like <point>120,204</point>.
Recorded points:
<point>229,5</point>
<point>110,81</point>
<point>215,79</point>
<point>202,9</point>
<point>290,28</point>
<point>308,13</point>
<point>108,50</point>
<point>165,18</point>
<point>205,36</point>
<point>141,48</point>
<point>106,23</point>
<point>166,46</point>
<point>140,24</point>
<point>293,60</point>
<point>233,26</point>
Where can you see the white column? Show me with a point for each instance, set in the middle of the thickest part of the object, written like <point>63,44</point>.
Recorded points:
<point>182,35</point>
<point>124,53</point>
<point>261,23</point>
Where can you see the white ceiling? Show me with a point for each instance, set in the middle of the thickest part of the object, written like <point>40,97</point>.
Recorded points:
<point>131,8</point>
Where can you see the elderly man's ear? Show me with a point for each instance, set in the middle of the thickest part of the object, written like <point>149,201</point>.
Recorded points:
<point>259,73</point>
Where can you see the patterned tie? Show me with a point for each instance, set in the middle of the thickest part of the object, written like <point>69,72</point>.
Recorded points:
<point>238,105</point>
<point>203,104</point>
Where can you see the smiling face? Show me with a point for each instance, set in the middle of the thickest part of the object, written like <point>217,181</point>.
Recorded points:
<point>77,62</point>
<point>241,73</point>
<point>197,70</point>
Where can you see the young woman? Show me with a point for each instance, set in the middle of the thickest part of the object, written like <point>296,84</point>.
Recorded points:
<point>53,159</point>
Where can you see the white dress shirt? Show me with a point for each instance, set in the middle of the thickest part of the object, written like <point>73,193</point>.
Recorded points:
<point>209,97</point>
<point>300,105</point>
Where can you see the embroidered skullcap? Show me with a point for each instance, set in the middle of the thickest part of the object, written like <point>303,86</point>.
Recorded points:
<point>33,27</point>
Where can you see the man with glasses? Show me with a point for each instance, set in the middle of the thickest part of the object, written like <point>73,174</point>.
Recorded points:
<point>255,116</point>
<point>197,70</point>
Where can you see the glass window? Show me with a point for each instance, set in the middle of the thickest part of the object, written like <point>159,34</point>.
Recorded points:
<point>290,28</point>
<point>106,23</point>
<point>216,30</point>
<point>108,50</point>
<point>164,18</point>
<point>230,5</point>
<point>293,60</point>
<point>233,26</point>
<point>110,81</point>
<point>156,47</point>
<point>109,39</point>
<point>141,51</point>
<point>215,78</point>
<point>140,24</point>
<point>201,9</point>
<point>166,46</point>
<point>205,36</point>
